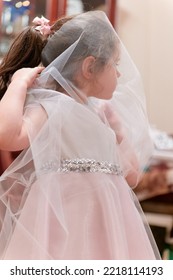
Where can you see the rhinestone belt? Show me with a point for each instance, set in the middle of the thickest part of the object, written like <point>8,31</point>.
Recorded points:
<point>82,165</point>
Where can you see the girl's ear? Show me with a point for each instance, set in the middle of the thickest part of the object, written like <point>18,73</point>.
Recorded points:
<point>88,66</point>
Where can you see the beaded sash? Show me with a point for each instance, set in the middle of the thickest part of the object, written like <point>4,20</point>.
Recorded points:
<point>82,165</point>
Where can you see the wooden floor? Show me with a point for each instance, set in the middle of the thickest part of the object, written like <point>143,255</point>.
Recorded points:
<point>159,213</point>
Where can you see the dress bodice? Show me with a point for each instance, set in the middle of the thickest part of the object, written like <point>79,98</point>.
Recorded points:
<point>84,135</point>
<point>74,132</point>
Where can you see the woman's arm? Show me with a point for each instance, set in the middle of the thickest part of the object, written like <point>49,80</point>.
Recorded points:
<point>13,134</point>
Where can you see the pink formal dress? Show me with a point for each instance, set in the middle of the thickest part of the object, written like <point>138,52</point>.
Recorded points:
<point>66,196</point>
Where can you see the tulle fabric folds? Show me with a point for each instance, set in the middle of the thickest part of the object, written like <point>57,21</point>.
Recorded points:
<point>49,212</point>
<point>56,223</point>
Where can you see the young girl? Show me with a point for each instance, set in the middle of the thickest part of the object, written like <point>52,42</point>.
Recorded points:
<point>68,194</point>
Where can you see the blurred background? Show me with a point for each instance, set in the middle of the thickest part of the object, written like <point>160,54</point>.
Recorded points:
<point>15,15</point>
<point>146,29</point>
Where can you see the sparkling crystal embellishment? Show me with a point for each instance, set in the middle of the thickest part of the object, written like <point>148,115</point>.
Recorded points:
<point>82,165</point>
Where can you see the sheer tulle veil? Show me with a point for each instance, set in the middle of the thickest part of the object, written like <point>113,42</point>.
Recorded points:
<point>128,100</point>
<point>52,211</point>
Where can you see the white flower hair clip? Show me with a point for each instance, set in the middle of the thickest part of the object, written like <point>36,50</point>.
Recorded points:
<point>42,25</point>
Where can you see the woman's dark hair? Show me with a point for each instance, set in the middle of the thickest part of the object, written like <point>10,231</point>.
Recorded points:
<point>25,51</point>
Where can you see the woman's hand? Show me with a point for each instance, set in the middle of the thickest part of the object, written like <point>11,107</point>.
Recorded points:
<point>28,75</point>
